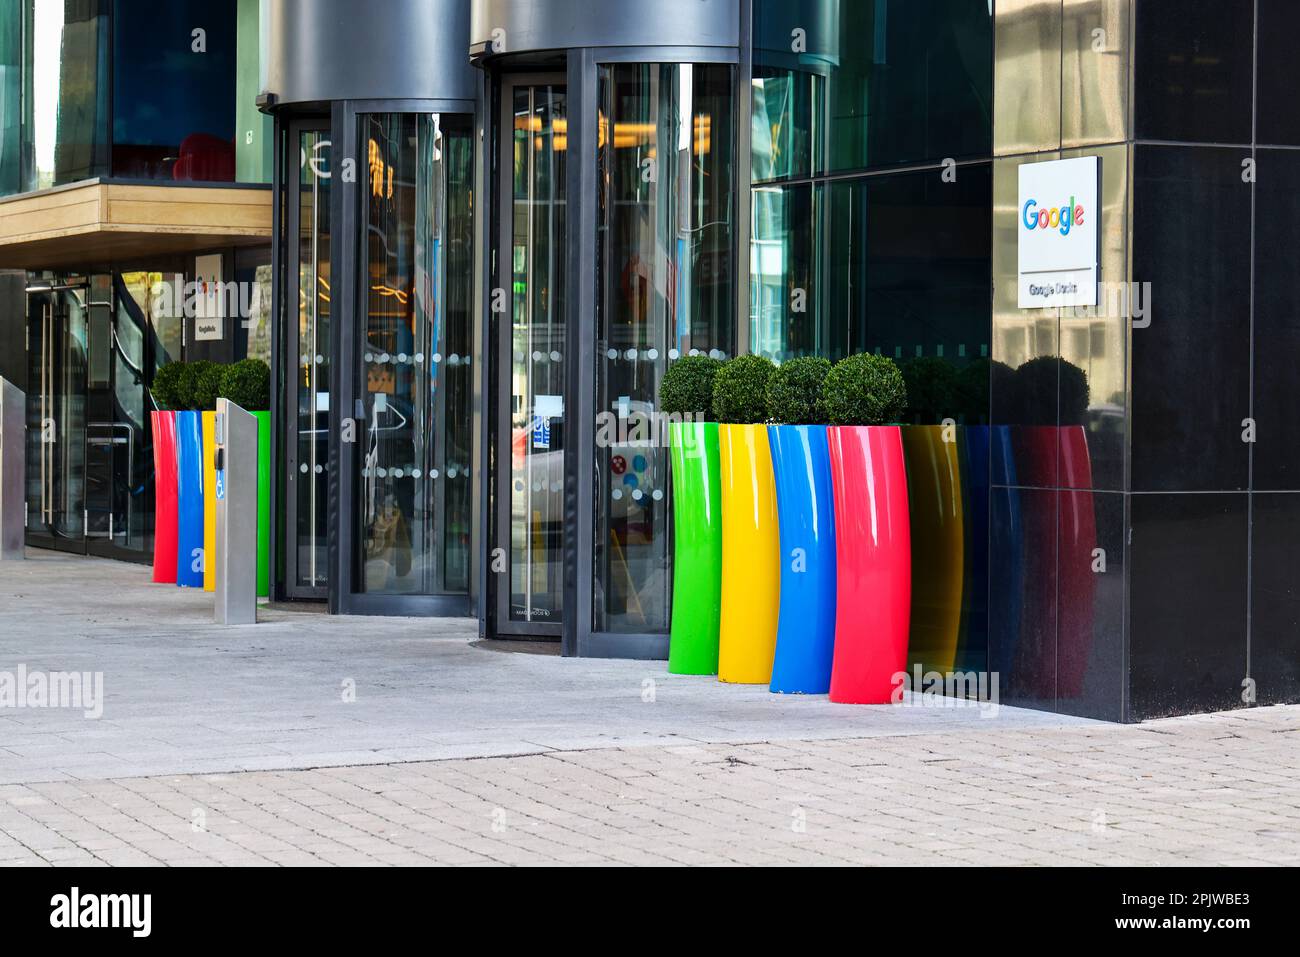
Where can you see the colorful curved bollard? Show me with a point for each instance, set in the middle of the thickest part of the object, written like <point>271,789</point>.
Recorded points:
<point>189,500</point>
<point>263,503</point>
<point>164,479</point>
<point>751,586</point>
<point>937,514</point>
<point>873,563</point>
<point>1007,556</point>
<point>1076,575</point>
<point>697,549</point>
<point>805,638</point>
<point>972,653</point>
<point>209,501</point>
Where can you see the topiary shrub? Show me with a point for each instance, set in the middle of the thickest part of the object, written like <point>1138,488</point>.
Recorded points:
<point>932,389</point>
<point>864,389</point>
<point>247,383</point>
<point>740,390</point>
<point>1051,391</point>
<point>794,391</point>
<point>973,389</point>
<point>166,386</point>
<point>207,385</point>
<point>195,381</point>
<point>687,388</point>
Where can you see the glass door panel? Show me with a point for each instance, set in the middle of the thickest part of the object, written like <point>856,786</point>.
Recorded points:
<point>58,341</point>
<point>416,482</point>
<point>532,423</point>
<point>307,455</point>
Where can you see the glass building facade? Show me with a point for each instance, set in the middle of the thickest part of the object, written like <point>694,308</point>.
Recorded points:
<point>499,222</point>
<point>134,97</point>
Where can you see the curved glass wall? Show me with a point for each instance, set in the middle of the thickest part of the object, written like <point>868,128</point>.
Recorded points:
<point>664,288</point>
<point>415,486</point>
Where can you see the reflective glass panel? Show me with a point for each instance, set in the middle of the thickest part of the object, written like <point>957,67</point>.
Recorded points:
<point>312,374</point>
<point>539,225</point>
<point>415,356</point>
<point>665,288</point>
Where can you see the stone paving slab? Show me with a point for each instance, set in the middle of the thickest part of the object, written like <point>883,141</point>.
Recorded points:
<point>183,695</point>
<point>1214,790</point>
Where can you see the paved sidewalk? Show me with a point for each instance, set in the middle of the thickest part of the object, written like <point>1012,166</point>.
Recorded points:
<point>1208,790</point>
<point>244,745</point>
<point>183,695</point>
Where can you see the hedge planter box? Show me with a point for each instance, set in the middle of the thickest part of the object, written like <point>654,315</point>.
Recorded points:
<point>697,549</point>
<point>164,478</point>
<point>805,639</point>
<point>937,510</point>
<point>873,563</point>
<point>189,500</point>
<point>751,584</point>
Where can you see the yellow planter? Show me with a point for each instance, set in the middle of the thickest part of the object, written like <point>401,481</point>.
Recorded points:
<point>751,556</point>
<point>938,544</point>
<point>209,501</point>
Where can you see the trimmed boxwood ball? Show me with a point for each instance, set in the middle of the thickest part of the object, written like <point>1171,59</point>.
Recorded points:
<point>794,391</point>
<point>740,390</point>
<point>973,389</point>
<point>207,386</point>
<point>864,389</point>
<point>1051,391</point>
<point>932,389</point>
<point>166,386</point>
<point>247,383</point>
<point>687,387</point>
<point>191,388</point>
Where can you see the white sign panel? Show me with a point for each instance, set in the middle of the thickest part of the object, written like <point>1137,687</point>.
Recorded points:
<point>210,307</point>
<point>1057,230</point>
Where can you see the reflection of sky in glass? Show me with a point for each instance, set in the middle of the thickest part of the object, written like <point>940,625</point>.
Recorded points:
<point>47,40</point>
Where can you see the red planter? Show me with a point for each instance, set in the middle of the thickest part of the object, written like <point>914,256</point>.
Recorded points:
<point>164,509</point>
<point>1076,580</point>
<point>873,551</point>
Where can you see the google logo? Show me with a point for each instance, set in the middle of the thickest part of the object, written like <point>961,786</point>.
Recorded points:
<point>1058,217</point>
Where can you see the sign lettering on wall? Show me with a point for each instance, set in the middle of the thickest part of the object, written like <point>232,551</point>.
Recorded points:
<point>210,307</point>
<point>1057,231</point>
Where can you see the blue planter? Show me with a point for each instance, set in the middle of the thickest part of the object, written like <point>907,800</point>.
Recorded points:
<point>189,500</point>
<point>973,652</point>
<point>805,638</point>
<point>1007,556</point>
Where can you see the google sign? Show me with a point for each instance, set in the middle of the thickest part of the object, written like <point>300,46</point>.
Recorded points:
<point>1057,238</point>
<point>1060,218</point>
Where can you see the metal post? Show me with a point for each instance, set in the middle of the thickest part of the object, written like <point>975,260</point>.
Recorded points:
<point>235,432</point>
<point>13,470</point>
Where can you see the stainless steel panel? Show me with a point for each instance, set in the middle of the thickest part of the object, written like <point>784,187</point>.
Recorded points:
<point>236,546</point>
<point>517,26</point>
<point>13,470</point>
<point>1026,76</point>
<point>341,49</point>
<point>1095,45</point>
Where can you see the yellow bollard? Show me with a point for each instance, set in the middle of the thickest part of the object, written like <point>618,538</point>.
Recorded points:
<point>209,501</point>
<point>751,556</point>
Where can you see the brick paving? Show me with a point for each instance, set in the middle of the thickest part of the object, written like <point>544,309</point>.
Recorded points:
<point>1211,789</point>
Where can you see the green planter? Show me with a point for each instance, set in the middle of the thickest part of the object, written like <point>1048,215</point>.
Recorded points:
<point>263,503</point>
<point>697,549</point>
